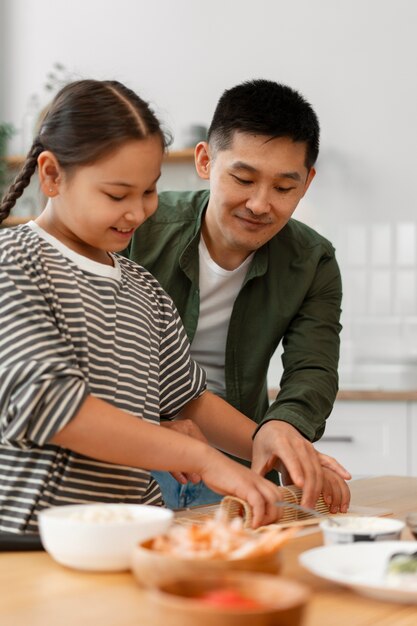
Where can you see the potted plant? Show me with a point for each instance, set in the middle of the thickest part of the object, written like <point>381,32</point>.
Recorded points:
<point>55,79</point>
<point>6,131</point>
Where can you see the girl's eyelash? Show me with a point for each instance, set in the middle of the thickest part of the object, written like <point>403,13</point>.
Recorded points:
<point>120,198</point>
<point>115,198</point>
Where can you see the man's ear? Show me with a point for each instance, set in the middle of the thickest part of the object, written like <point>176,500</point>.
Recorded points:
<point>49,172</point>
<point>309,178</point>
<point>202,159</point>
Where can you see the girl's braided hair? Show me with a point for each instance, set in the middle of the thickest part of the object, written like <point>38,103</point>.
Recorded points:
<point>86,120</point>
<point>21,181</point>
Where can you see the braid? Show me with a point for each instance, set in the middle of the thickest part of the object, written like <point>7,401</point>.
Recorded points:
<point>21,181</point>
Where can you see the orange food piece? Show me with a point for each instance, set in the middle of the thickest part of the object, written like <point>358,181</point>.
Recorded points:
<point>229,598</point>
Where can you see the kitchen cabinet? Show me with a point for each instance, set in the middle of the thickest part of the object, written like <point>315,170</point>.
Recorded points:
<point>412,443</point>
<point>372,432</point>
<point>371,438</point>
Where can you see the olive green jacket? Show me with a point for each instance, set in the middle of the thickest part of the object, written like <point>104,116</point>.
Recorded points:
<point>291,293</point>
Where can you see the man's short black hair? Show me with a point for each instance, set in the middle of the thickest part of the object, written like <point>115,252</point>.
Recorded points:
<point>264,107</point>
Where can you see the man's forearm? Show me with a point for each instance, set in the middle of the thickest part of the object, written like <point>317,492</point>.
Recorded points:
<point>225,428</point>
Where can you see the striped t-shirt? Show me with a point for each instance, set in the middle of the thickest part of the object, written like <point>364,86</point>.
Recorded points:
<point>70,327</point>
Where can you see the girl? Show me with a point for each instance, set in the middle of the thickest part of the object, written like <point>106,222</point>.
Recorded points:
<point>92,350</point>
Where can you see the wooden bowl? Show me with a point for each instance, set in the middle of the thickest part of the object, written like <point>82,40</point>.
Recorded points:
<point>153,568</point>
<point>179,602</point>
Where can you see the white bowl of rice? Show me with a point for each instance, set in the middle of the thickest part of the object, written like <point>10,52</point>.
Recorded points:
<point>351,529</point>
<point>99,537</point>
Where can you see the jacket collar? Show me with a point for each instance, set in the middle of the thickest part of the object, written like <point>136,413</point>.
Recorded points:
<point>189,255</point>
<point>259,265</point>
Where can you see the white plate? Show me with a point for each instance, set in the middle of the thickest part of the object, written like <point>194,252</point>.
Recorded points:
<point>361,566</point>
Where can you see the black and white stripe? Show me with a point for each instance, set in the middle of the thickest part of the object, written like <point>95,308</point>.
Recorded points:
<point>70,327</point>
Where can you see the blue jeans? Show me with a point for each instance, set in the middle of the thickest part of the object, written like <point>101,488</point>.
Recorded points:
<point>178,496</point>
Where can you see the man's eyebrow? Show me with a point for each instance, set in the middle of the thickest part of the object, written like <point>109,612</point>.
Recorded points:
<point>241,165</point>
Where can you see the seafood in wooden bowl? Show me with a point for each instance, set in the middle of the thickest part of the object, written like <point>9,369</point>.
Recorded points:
<point>216,546</point>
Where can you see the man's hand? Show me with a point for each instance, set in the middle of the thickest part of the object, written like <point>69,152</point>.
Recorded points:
<point>336,492</point>
<point>278,445</point>
<point>186,427</point>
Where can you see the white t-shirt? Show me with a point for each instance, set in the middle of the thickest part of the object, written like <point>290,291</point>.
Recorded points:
<point>218,291</point>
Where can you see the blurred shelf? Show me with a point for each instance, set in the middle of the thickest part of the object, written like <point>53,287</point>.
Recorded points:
<point>176,156</point>
<point>14,162</point>
<point>16,220</point>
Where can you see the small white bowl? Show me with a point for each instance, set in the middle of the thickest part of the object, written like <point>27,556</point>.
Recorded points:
<point>99,537</point>
<point>351,529</point>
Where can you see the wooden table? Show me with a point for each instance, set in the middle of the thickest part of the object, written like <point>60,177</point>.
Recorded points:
<point>36,591</point>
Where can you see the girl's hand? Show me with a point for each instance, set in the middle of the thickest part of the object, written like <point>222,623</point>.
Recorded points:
<point>186,427</point>
<point>230,478</point>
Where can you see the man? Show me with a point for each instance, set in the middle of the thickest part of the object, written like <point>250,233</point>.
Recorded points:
<point>245,277</point>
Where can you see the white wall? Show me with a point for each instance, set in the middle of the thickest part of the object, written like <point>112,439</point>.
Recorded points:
<point>3,49</point>
<point>355,60</point>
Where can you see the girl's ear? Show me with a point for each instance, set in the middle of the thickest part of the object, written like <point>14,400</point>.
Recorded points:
<point>202,160</point>
<point>50,174</point>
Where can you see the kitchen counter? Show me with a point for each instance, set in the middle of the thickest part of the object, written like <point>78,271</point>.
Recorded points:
<point>36,591</point>
<point>406,395</point>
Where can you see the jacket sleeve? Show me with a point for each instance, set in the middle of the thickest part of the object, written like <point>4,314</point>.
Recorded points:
<point>310,357</point>
<point>41,385</point>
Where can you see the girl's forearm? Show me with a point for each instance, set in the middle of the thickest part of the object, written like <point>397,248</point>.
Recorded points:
<point>103,432</point>
<point>224,426</point>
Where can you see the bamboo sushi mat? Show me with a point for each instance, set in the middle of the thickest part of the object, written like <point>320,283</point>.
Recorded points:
<point>234,507</point>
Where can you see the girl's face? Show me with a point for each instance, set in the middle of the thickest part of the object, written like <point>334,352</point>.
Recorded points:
<point>98,207</point>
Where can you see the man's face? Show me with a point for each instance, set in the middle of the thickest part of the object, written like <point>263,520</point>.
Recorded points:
<point>255,186</point>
